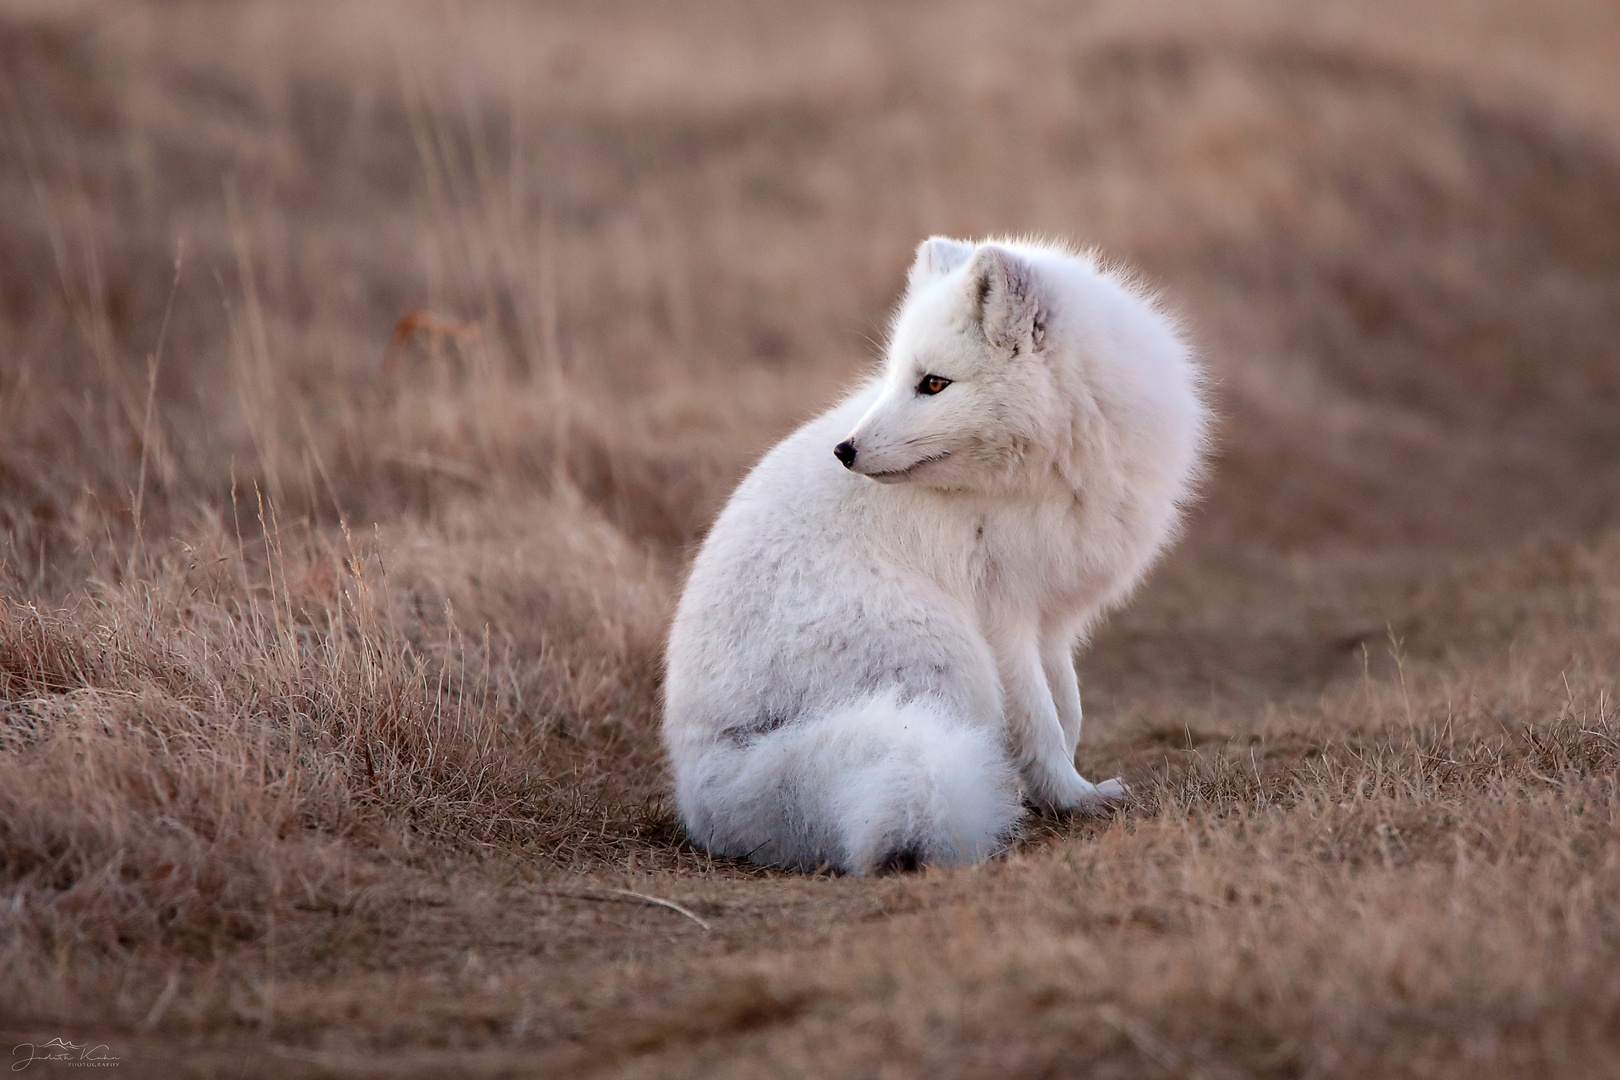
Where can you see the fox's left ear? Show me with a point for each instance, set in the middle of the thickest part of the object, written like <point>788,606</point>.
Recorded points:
<point>1002,294</point>
<point>936,257</point>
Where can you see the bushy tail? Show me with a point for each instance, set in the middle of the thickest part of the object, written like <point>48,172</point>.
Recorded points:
<point>875,785</point>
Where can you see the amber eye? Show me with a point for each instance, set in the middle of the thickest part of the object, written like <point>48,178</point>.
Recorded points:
<point>932,384</point>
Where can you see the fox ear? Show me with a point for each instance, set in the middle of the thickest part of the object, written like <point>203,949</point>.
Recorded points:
<point>936,257</point>
<point>1002,295</point>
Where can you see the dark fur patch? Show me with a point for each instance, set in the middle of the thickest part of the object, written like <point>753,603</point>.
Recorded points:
<point>899,861</point>
<point>763,724</point>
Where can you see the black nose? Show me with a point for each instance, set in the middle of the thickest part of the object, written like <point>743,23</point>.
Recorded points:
<point>845,452</point>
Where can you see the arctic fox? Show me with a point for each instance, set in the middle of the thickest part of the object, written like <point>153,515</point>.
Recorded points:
<point>872,666</point>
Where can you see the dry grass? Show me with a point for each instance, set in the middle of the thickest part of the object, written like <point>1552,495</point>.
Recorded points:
<point>368,372</point>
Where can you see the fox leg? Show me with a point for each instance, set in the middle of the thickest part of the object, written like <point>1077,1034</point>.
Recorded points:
<point>1041,746</point>
<point>1057,658</point>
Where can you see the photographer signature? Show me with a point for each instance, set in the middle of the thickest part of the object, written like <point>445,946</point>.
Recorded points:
<point>79,1055</point>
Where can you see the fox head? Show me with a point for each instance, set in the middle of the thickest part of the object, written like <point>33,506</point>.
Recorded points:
<point>967,392</point>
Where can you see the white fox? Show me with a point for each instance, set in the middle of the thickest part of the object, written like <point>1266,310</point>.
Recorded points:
<point>872,665</point>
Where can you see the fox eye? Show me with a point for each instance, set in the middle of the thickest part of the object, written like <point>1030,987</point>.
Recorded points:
<point>932,384</point>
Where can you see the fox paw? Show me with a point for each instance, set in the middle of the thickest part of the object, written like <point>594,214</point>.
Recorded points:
<point>1100,797</point>
<point>1110,792</point>
<point>1084,797</point>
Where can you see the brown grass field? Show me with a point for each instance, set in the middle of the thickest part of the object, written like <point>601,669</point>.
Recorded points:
<point>369,372</point>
